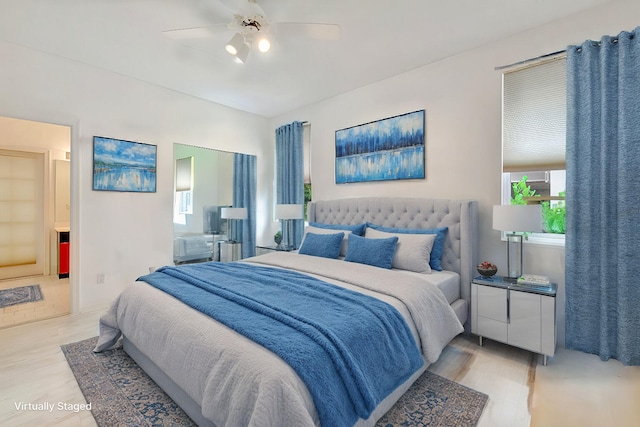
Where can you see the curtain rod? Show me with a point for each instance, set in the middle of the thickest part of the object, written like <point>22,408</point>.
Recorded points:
<point>536,59</point>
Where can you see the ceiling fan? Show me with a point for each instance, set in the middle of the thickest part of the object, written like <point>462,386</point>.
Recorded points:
<point>253,28</point>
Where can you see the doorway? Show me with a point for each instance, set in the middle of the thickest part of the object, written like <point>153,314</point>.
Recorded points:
<point>35,199</point>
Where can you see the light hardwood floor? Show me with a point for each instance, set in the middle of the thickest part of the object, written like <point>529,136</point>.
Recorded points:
<point>574,389</point>
<point>56,301</point>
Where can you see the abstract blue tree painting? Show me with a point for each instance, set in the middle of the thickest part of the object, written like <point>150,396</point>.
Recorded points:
<point>123,165</point>
<point>387,149</point>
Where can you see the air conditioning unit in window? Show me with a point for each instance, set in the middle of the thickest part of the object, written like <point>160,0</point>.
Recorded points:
<point>532,176</point>
<point>538,180</point>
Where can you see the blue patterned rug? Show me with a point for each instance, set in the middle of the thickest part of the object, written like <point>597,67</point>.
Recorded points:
<point>121,394</point>
<point>20,295</point>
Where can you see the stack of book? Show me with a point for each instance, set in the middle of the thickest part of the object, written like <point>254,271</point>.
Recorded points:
<point>533,280</point>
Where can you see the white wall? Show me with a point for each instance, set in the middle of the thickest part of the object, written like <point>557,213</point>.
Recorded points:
<point>462,99</point>
<point>121,235</point>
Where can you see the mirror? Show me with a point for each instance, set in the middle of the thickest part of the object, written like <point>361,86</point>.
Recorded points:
<point>203,187</point>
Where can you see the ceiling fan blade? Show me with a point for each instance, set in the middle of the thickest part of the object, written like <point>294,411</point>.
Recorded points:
<point>316,31</point>
<point>234,4</point>
<point>196,32</point>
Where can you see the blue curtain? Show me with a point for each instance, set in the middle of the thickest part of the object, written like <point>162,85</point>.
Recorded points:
<point>244,196</point>
<point>603,198</point>
<point>290,177</point>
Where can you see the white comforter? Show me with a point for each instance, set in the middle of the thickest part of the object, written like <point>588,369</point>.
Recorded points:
<point>240,383</point>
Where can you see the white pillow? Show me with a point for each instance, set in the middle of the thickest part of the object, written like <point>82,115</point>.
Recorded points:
<point>412,252</point>
<point>317,230</point>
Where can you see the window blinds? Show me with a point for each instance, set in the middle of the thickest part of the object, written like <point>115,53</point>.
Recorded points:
<point>534,117</point>
<point>184,174</point>
<point>21,211</point>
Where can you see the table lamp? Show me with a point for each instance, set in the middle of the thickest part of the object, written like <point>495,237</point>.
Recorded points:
<point>286,213</point>
<point>516,219</point>
<point>233,214</point>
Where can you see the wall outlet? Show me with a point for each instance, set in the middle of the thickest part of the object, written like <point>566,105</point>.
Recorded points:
<point>100,279</point>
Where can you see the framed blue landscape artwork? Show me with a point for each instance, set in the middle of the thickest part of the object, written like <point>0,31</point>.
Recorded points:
<point>123,165</point>
<point>386,149</point>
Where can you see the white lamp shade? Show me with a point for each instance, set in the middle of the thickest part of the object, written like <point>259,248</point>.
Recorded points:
<point>234,45</point>
<point>517,218</point>
<point>233,213</point>
<point>243,53</point>
<point>291,211</point>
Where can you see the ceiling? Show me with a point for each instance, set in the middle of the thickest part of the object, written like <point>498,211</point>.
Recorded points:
<point>379,39</point>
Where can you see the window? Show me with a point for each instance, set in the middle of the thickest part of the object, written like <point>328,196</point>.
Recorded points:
<point>547,186</point>
<point>534,129</point>
<point>183,203</point>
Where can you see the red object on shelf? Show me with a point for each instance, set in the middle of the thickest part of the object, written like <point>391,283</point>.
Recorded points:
<point>63,255</point>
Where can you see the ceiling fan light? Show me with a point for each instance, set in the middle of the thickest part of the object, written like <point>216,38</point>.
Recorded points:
<point>243,53</point>
<point>235,44</point>
<point>264,45</point>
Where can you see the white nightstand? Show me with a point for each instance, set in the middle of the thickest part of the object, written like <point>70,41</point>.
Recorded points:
<point>229,251</point>
<point>260,249</point>
<point>518,315</point>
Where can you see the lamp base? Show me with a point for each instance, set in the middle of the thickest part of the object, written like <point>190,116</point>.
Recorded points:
<point>514,256</point>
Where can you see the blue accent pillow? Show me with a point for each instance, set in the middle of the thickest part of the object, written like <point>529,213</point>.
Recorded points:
<point>357,229</point>
<point>435,259</point>
<point>376,252</point>
<point>323,245</point>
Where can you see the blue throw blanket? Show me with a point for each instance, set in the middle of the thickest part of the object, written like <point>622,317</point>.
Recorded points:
<point>351,350</point>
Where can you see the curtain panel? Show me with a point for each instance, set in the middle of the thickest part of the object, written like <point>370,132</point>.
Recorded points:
<point>290,177</point>
<point>603,205</point>
<point>245,184</point>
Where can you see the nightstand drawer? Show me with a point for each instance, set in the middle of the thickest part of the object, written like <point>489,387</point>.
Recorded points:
<point>493,329</point>
<point>492,303</point>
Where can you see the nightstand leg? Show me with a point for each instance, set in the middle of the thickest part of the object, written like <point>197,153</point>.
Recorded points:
<point>544,360</point>
<point>480,338</point>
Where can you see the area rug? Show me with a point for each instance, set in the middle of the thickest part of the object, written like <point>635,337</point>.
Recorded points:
<point>20,295</point>
<point>122,394</point>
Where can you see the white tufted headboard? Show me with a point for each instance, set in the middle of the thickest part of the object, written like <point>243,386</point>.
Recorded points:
<point>461,216</point>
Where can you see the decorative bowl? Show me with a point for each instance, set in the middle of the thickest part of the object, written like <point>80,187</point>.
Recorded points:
<point>487,272</point>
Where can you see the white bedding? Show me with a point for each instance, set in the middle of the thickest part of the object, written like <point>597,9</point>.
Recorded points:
<point>447,281</point>
<point>238,382</point>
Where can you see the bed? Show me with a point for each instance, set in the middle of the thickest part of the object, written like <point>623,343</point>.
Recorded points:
<point>221,377</point>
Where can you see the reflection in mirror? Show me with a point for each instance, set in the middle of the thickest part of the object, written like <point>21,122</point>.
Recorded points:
<point>204,185</point>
